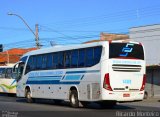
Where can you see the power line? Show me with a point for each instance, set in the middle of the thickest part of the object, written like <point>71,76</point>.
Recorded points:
<point>97,20</point>
<point>117,16</point>
<point>60,39</point>
<point>101,19</point>
<point>12,28</point>
<point>30,42</point>
<point>57,32</point>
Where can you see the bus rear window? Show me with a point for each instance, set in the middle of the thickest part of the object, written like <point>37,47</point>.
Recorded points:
<point>126,50</point>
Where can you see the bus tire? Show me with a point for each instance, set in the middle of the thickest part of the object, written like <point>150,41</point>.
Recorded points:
<point>74,102</point>
<point>145,95</point>
<point>29,99</point>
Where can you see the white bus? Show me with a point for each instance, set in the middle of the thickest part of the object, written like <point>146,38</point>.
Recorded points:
<point>103,72</point>
<point>7,81</point>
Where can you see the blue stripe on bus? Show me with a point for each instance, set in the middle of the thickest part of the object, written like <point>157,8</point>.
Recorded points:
<point>73,72</point>
<point>51,78</point>
<point>13,82</point>
<point>46,76</point>
<point>90,71</point>
<point>56,79</point>
<point>73,77</point>
<point>82,77</point>
<point>3,89</point>
<point>34,79</point>
<point>51,82</point>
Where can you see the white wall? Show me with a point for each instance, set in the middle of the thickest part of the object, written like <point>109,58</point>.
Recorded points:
<point>149,36</point>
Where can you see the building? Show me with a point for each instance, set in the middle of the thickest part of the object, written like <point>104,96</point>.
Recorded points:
<point>149,36</point>
<point>12,56</point>
<point>110,36</point>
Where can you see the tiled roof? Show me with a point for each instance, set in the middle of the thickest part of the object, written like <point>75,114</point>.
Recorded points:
<point>13,54</point>
<point>109,36</point>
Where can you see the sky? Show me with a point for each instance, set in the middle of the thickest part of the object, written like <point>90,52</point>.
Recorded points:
<point>72,21</point>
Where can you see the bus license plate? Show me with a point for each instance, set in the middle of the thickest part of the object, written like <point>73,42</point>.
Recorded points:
<point>126,95</point>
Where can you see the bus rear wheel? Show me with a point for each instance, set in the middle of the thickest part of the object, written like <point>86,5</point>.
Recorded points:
<point>74,102</point>
<point>29,99</point>
<point>145,95</point>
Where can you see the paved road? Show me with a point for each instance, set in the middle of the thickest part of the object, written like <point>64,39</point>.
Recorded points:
<point>13,107</point>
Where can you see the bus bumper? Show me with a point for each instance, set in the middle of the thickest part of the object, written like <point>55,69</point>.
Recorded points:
<point>123,96</point>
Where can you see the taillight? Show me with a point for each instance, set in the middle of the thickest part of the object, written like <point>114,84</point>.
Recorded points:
<point>106,82</point>
<point>143,82</point>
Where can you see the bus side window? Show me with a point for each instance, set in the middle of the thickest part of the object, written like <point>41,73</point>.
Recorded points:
<point>29,64</point>
<point>8,73</point>
<point>34,63</point>
<point>61,60</point>
<point>97,54</point>
<point>1,72</point>
<point>39,62</point>
<point>55,61</point>
<point>20,70</point>
<point>81,58</point>
<point>44,62</point>
<point>49,61</point>
<point>89,57</point>
<point>4,73</point>
<point>74,58</point>
<point>67,59</point>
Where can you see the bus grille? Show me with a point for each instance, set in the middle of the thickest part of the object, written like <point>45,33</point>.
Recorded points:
<point>126,68</point>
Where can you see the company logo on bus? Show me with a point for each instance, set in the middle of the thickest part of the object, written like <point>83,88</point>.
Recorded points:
<point>127,49</point>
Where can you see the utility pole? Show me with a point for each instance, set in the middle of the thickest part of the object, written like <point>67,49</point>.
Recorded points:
<point>37,36</point>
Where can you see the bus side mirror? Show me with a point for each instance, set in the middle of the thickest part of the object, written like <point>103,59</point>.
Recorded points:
<point>14,69</point>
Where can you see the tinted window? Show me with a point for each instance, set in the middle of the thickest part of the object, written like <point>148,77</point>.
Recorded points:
<point>39,62</point>
<point>24,59</point>
<point>2,70</point>
<point>97,54</point>
<point>60,60</point>
<point>55,60</point>
<point>89,57</point>
<point>8,73</point>
<point>44,62</point>
<point>74,58</point>
<point>86,57</point>
<point>5,72</point>
<point>49,61</point>
<point>34,63</point>
<point>81,58</point>
<point>67,59</point>
<point>126,50</point>
<point>29,65</point>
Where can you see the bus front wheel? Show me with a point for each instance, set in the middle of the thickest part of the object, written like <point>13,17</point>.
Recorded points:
<point>28,96</point>
<point>74,102</point>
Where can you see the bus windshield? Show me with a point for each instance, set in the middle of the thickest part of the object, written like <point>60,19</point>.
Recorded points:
<point>126,51</point>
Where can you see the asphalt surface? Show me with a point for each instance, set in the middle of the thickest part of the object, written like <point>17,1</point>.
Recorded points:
<point>18,107</point>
